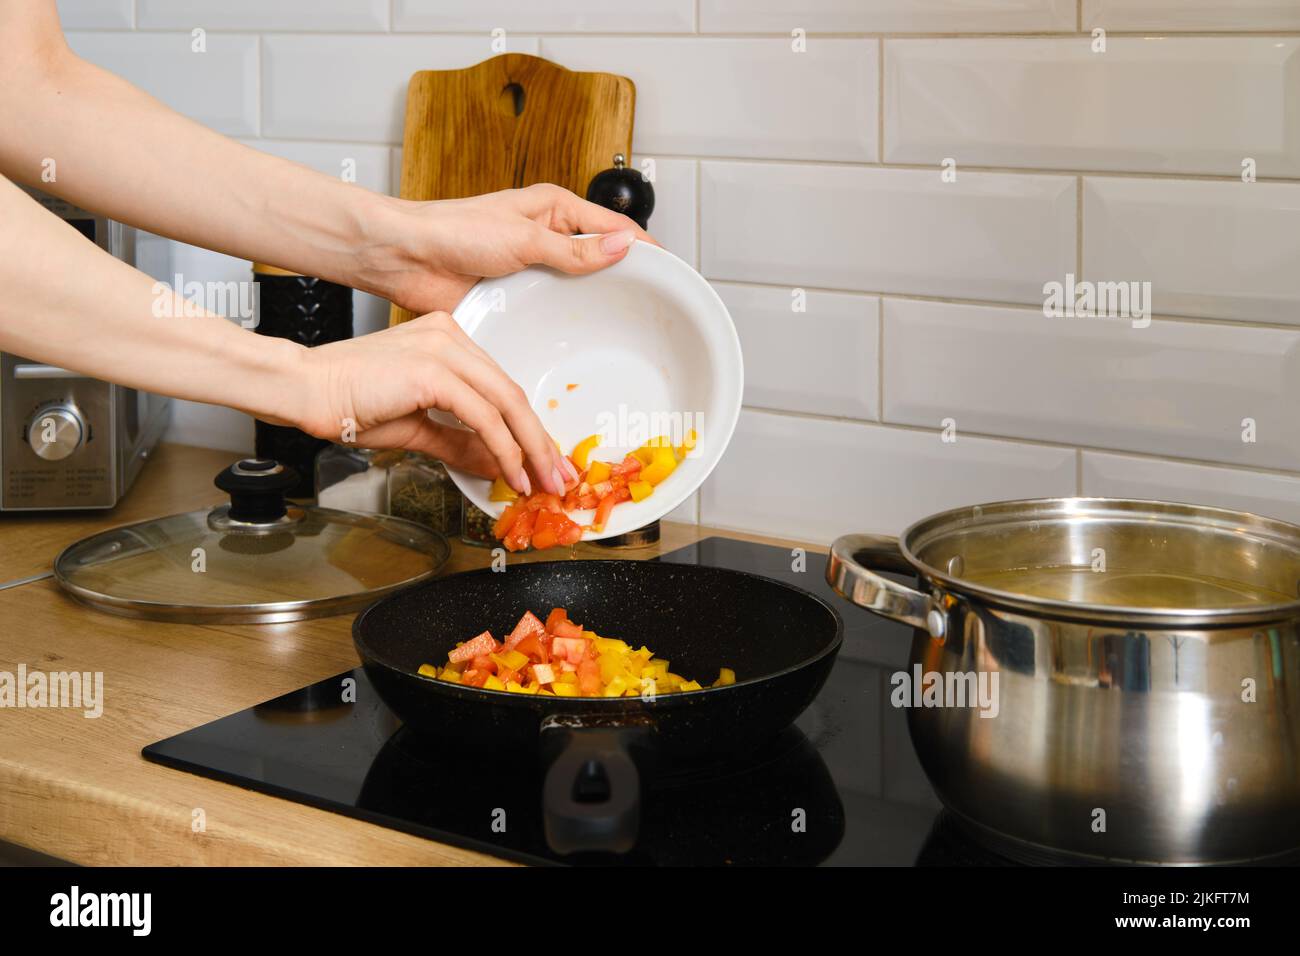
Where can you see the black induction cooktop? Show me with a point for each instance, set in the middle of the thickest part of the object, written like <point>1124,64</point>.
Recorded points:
<point>842,786</point>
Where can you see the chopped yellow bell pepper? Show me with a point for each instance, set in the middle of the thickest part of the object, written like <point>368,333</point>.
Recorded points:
<point>493,683</point>
<point>427,670</point>
<point>597,472</point>
<point>645,454</point>
<point>616,687</point>
<point>501,491</point>
<point>582,451</point>
<point>608,645</point>
<point>564,690</point>
<point>691,685</point>
<point>725,676</point>
<point>659,441</point>
<point>510,660</point>
<point>688,444</point>
<point>449,675</point>
<point>640,490</point>
<point>660,467</point>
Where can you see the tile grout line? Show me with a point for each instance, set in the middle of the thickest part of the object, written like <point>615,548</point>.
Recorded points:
<point>1260,470</point>
<point>880,358</point>
<point>880,103</point>
<point>1062,34</point>
<point>870,165</point>
<point>1007,305</point>
<point>1078,228</point>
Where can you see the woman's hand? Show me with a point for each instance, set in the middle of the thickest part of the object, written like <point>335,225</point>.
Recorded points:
<point>375,391</point>
<point>425,255</point>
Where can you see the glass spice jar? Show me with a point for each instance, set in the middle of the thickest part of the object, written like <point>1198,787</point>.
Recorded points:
<point>400,483</point>
<point>476,525</point>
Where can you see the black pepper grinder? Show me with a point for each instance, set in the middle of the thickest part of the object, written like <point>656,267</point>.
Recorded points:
<point>310,312</point>
<point>624,190</point>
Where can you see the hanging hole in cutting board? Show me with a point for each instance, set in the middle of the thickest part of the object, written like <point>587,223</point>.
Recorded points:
<point>512,97</point>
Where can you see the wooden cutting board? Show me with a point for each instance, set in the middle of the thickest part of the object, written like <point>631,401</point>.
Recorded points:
<point>511,121</point>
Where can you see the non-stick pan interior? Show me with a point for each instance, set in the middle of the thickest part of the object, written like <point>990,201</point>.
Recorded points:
<point>699,618</point>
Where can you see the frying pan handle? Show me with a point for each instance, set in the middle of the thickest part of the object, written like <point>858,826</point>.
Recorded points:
<point>851,572</point>
<point>591,798</point>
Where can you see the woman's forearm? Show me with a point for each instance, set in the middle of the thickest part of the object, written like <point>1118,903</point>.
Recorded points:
<point>113,148</point>
<point>69,303</point>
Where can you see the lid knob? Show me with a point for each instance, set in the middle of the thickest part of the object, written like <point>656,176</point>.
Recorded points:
<point>256,487</point>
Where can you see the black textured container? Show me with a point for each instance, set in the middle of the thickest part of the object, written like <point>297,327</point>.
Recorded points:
<point>310,312</point>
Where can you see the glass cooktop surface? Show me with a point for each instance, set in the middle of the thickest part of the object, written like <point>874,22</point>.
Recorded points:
<point>841,786</point>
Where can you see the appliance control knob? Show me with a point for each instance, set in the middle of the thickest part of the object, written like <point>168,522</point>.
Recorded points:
<point>56,431</point>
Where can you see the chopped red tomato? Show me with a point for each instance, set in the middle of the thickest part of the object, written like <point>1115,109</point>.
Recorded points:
<point>535,647</point>
<point>599,486</point>
<point>572,649</point>
<point>554,528</point>
<point>589,682</point>
<point>508,518</point>
<point>528,626</point>
<point>567,629</point>
<point>477,646</point>
<point>557,614</point>
<point>602,512</point>
<point>544,501</point>
<point>629,466</point>
<point>521,532</point>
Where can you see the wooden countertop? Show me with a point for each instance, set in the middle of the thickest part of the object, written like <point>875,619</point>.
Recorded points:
<point>78,789</point>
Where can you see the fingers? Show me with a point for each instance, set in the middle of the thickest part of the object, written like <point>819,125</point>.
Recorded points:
<point>579,256</point>
<point>458,397</point>
<point>457,447</point>
<point>567,214</point>
<point>488,380</point>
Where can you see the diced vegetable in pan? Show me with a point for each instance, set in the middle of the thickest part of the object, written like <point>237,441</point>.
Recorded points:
<point>561,659</point>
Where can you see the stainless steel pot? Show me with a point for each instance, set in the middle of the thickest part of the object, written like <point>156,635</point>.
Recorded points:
<point>1115,722</point>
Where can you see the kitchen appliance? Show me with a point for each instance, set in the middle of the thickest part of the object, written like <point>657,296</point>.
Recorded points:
<point>1146,655</point>
<point>841,786</point>
<point>780,640</point>
<point>256,559</point>
<point>68,441</point>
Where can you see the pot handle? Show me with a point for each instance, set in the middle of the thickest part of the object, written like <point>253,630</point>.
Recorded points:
<point>851,572</point>
<point>591,798</point>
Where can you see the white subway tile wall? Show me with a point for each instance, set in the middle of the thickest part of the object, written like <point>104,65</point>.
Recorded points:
<point>96,14</point>
<point>1191,14</point>
<point>814,352</point>
<point>210,78</point>
<point>553,16</point>
<point>261,15</point>
<point>1221,250</point>
<point>888,16</point>
<point>751,98</point>
<point>992,236</point>
<point>881,192</point>
<point>1148,104</point>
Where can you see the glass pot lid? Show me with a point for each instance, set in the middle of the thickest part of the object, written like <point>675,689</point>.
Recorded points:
<point>255,559</point>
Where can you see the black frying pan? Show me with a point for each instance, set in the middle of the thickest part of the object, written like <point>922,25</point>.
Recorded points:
<point>780,640</point>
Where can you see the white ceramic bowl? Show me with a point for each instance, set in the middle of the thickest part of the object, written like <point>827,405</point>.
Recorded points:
<point>647,334</point>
